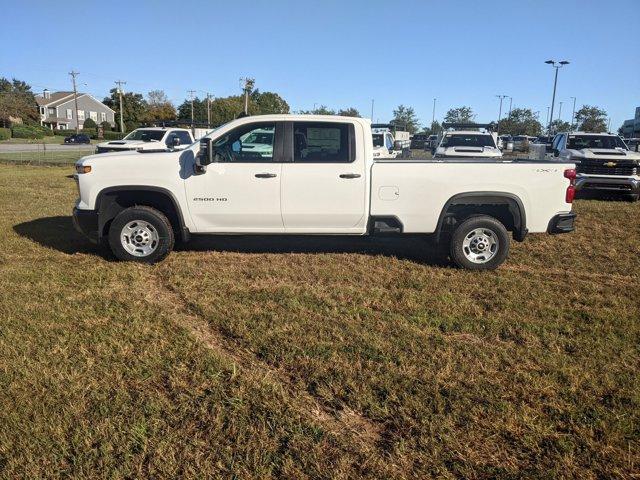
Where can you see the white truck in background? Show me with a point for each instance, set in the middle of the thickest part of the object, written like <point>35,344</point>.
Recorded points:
<point>319,176</point>
<point>467,140</point>
<point>388,142</point>
<point>149,139</point>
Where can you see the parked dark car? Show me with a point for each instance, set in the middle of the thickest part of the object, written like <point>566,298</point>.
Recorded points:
<point>78,138</point>
<point>418,140</point>
<point>547,141</point>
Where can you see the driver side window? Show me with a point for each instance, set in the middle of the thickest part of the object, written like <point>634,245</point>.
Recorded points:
<point>251,143</point>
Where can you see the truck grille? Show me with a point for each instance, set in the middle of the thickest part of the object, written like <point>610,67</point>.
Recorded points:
<point>600,169</point>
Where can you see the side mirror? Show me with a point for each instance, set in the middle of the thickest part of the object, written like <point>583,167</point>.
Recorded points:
<point>397,145</point>
<point>175,142</point>
<point>205,156</point>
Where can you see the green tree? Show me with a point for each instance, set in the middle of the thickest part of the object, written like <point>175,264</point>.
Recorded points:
<point>17,101</point>
<point>521,122</point>
<point>559,126</point>
<point>405,117</point>
<point>321,110</point>
<point>159,107</point>
<point>459,115</point>
<point>591,119</point>
<point>134,108</point>
<point>222,110</point>
<point>349,112</point>
<point>89,123</point>
<point>434,129</point>
<point>269,102</point>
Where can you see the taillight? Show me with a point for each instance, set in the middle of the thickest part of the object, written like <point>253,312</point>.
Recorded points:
<point>571,193</point>
<point>570,173</point>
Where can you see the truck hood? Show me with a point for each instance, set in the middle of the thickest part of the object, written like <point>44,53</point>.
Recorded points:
<point>132,145</point>
<point>468,152</point>
<point>605,154</point>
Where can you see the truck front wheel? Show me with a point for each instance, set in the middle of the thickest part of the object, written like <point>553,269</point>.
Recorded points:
<point>479,243</point>
<point>141,234</point>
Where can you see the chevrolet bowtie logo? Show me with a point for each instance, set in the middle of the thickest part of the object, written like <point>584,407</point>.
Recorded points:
<point>610,164</point>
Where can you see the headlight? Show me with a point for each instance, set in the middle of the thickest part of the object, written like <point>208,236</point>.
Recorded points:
<point>83,168</point>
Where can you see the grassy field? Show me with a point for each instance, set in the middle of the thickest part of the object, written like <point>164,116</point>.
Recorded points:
<point>314,358</point>
<point>45,157</point>
<point>57,139</point>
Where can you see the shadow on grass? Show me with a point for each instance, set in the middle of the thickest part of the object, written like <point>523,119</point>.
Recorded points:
<point>58,233</point>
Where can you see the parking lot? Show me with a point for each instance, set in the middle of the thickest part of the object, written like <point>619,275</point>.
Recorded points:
<point>318,357</point>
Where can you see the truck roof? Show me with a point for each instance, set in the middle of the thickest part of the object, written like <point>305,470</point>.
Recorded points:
<point>466,132</point>
<point>162,128</point>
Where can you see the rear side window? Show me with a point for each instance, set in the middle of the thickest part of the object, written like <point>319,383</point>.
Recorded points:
<point>322,142</point>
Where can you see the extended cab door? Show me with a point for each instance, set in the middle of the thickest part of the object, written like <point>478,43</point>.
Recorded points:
<point>323,178</point>
<point>240,191</point>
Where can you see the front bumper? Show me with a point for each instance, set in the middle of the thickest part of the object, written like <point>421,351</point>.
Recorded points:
<point>627,185</point>
<point>86,222</point>
<point>562,223</point>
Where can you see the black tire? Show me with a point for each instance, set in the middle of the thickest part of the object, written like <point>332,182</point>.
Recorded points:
<point>153,223</point>
<point>632,197</point>
<point>493,243</point>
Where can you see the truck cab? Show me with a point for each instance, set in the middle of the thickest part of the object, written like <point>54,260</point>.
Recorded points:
<point>603,161</point>
<point>149,139</point>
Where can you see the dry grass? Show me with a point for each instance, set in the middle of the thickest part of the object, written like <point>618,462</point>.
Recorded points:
<point>314,358</point>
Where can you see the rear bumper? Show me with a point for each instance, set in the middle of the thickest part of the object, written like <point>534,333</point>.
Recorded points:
<point>628,185</point>
<point>562,223</point>
<point>86,222</point>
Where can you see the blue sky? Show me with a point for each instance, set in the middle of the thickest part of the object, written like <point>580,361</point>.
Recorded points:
<point>337,53</point>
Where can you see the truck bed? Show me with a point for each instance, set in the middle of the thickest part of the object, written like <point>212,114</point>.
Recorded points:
<point>414,190</point>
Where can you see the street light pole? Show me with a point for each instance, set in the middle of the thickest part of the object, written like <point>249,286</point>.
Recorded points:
<point>501,97</point>
<point>548,108</point>
<point>557,66</point>
<point>73,74</point>
<point>573,113</point>
<point>560,111</point>
<point>372,102</point>
<point>433,115</point>
<point>510,103</point>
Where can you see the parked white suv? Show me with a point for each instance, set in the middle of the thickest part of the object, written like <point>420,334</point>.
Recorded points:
<point>603,162</point>
<point>315,175</point>
<point>149,139</point>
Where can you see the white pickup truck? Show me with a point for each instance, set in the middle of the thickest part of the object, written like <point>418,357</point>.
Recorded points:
<point>149,139</point>
<point>319,177</point>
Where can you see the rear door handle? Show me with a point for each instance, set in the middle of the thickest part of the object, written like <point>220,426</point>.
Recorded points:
<point>350,175</point>
<point>265,175</point>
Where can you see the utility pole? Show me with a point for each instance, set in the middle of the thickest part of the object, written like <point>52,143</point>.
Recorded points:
<point>433,113</point>
<point>501,97</point>
<point>248,87</point>
<point>557,66</point>
<point>372,101</point>
<point>73,74</point>
<point>120,83</point>
<point>573,113</point>
<point>208,110</point>
<point>510,103</point>
<point>191,92</point>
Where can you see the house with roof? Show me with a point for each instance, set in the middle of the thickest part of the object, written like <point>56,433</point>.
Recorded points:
<point>58,110</point>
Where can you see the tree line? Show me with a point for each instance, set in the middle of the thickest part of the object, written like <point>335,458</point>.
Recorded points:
<point>17,101</point>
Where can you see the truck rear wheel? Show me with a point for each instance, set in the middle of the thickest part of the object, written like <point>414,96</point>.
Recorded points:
<point>479,243</point>
<point>141,234</point>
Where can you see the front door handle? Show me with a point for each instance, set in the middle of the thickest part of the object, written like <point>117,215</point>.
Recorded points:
<point>350,175</point>
<point>265,175</point>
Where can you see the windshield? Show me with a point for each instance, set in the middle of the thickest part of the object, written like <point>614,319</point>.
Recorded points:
<point>146,135</point>
<point>378,140</point>
<point>468,140</point>
<point>578,142</point>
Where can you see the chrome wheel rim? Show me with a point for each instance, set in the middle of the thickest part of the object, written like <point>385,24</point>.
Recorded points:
<point>139,238</point>
<point>480,245</point>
